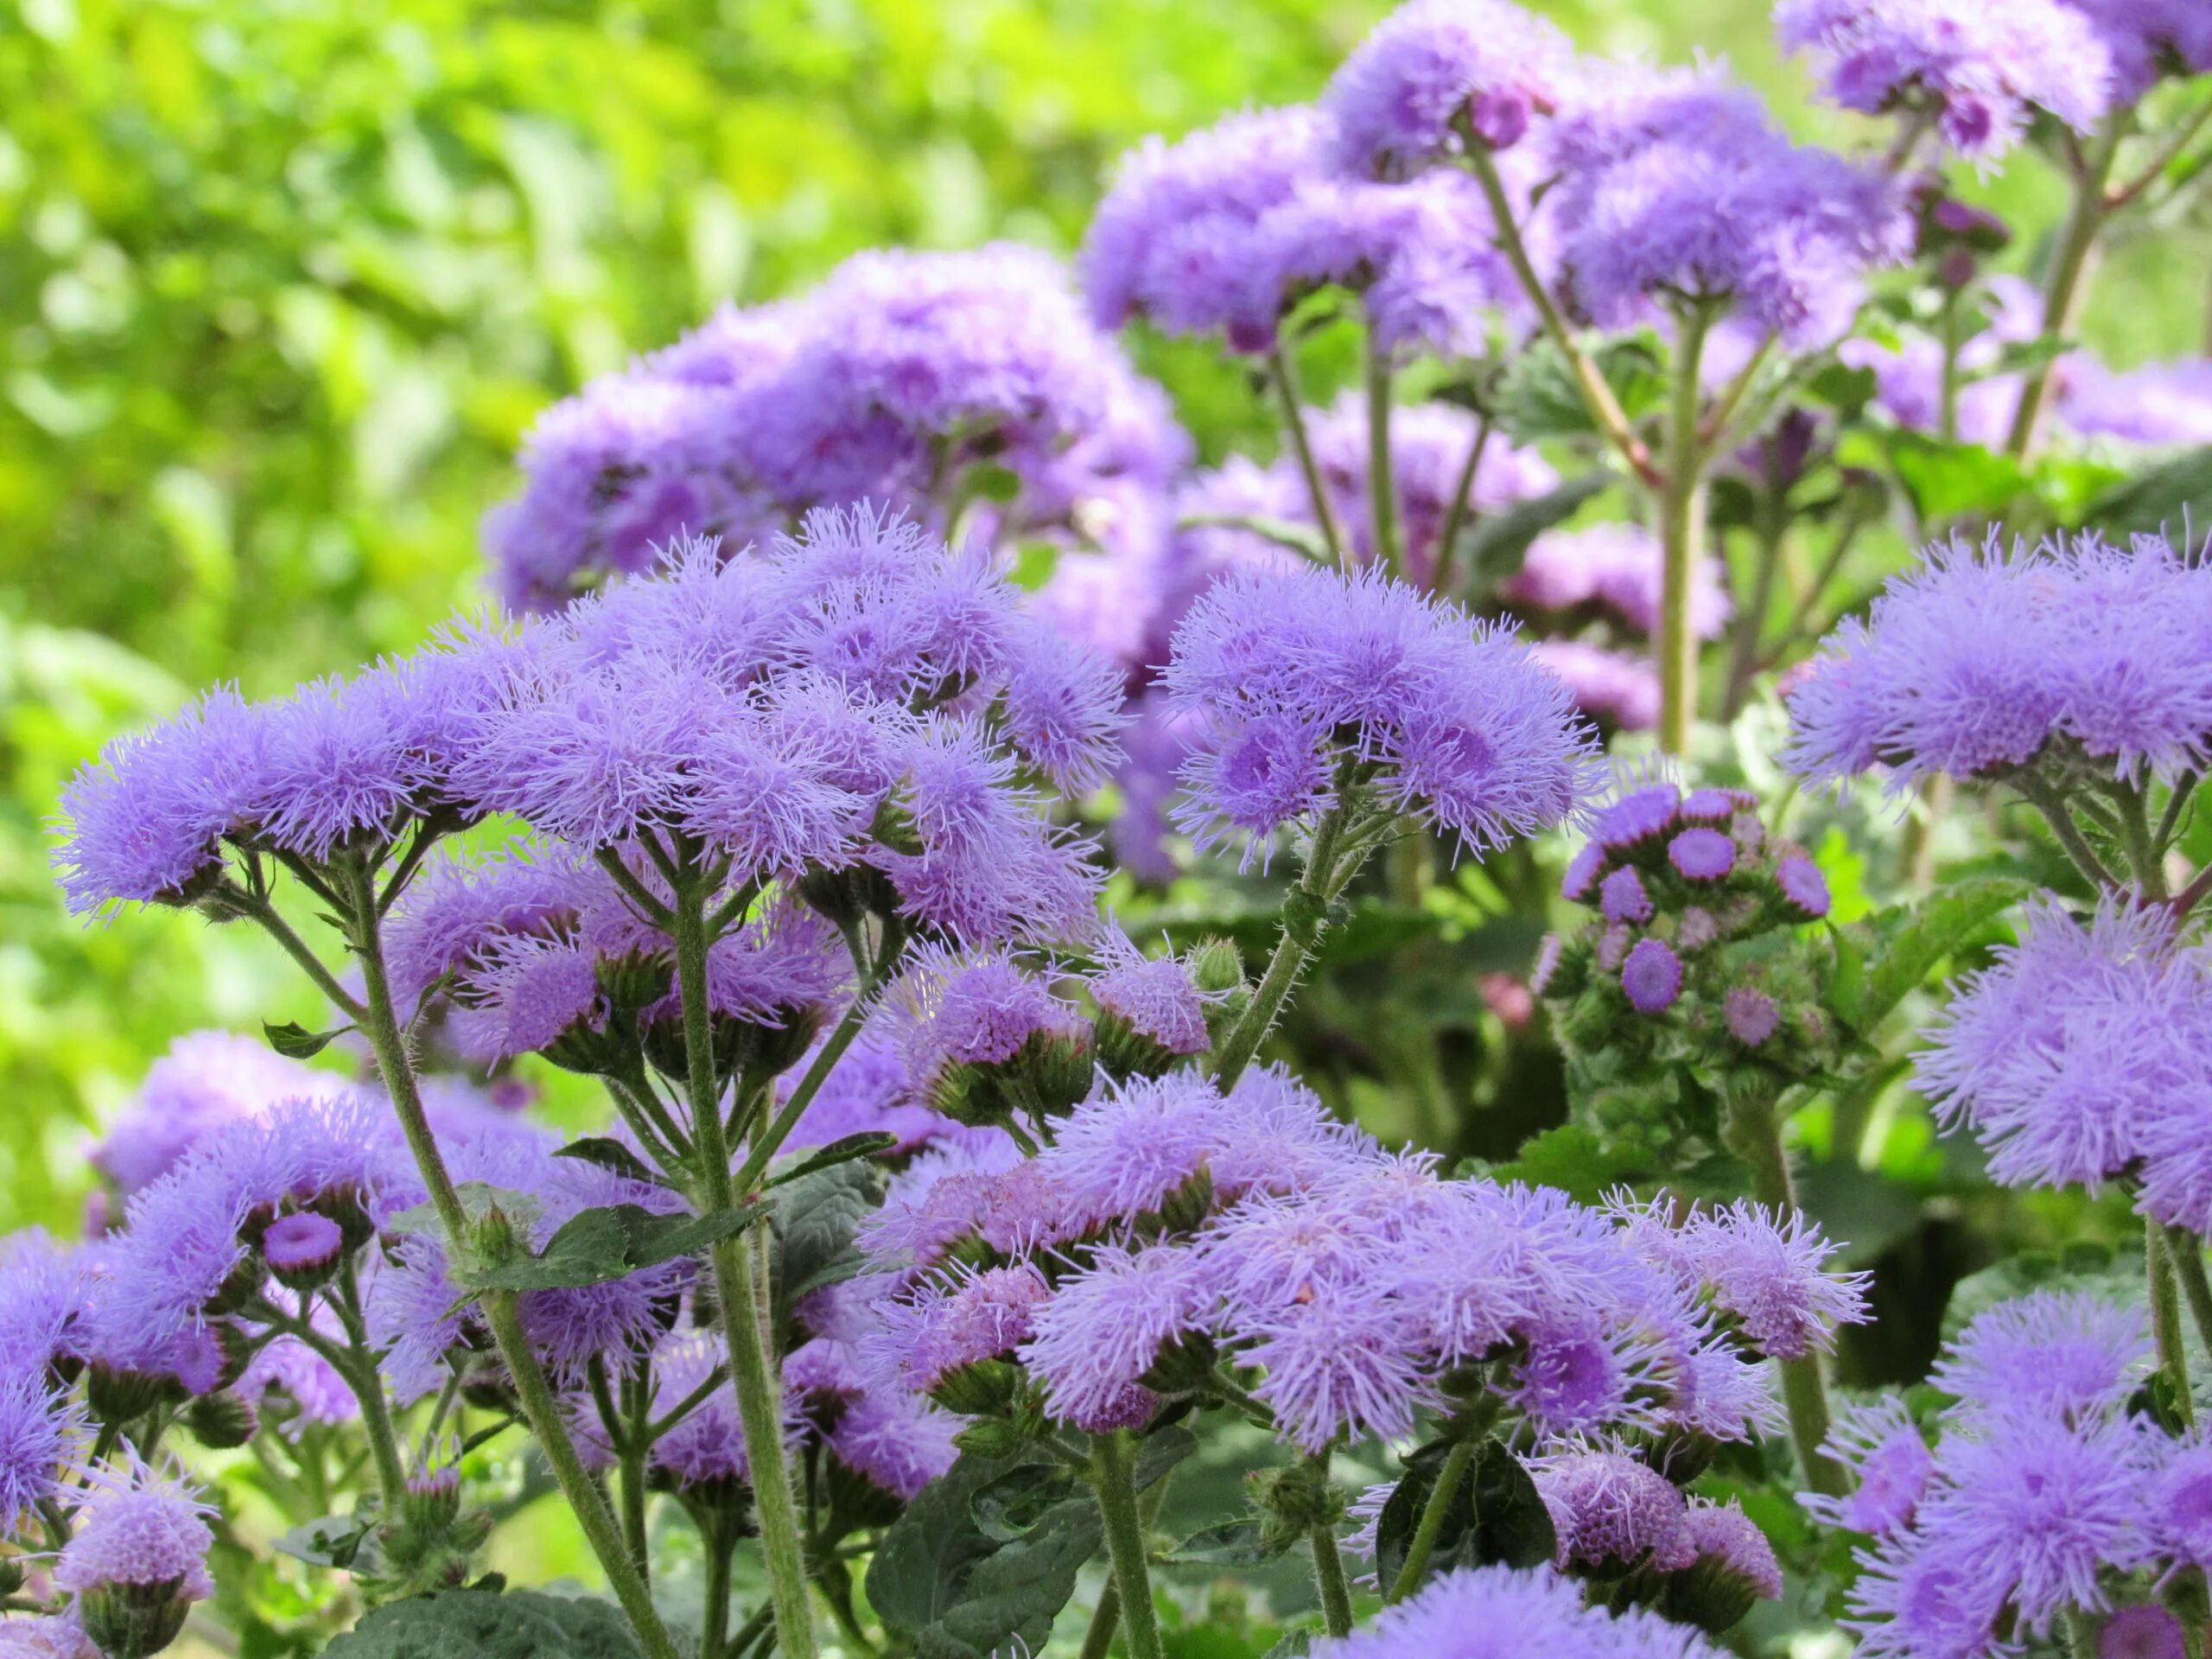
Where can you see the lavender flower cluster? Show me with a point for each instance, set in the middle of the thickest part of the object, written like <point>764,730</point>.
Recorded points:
<point>2048,1499</point>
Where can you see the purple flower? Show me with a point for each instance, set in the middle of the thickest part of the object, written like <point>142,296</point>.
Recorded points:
<point>2149,39</point>
<point>205,1082</point>
<point>899,1441</point>
<point>2044,1507</point>
<point>1677,186</point>
<point>1338,1362</point>
<point>302,1243</point>
<point>1607,685</point>
<point>2180,1505</point>
<point>1702,854</point>
<point>2143,1632</point>
<point>1773,1278</point>
<point>941,1325</point>
<point>1723,1535</point>
<point>1642,816</point>
<point>313,1388</point>
<point>1802,886</point>
<point>2158,404</point>
<point>38,1431</point>
<point>1499,1612</point>
<point>1884,1452</point>
<point>1651,978</point>
<point>707,1446</point>
<point>1464,725</point>
<point>1621,897</point>
<point>1977,67</point>
<point>1608,1509</point>
<point>2068,1357</point>
<point>139,1527</point>
<point>1921,1596</point>
<point>1435,67</point>
<point>1749,1014</point>
<point>1125,1152</point>
<point>968,1011</point>
<point>1154,995</point>
<point>1105,1327</point>
<point>1616,566</point>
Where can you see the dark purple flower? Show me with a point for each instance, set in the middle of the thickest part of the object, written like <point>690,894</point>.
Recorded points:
<point>1803,886</point>
<point>1652,976</point>
<point>1702,854</point>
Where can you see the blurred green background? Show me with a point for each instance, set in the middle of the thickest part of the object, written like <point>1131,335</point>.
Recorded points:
<point>283,283</point>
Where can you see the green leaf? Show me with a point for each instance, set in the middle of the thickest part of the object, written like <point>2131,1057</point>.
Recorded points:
<point>1573,1159</point>
<point>1243,1542</point>
<point>483,1625</point>
<point>480,1201</point>
<point>1009,1601</point>
<point>815,1216</point>
<point>864,1145</point>
<point>610,1153</point>
<point>928,1552</point>
<point>1004,1507</point>
<point>1495,1516</point>
<point>2165,497</point>
<point>1954,481</point>
<point>1160,1452</point>
<point>340,1541</point>
<point>1913,940</point>
<point>296,1042</point>
<point>1540,399</point>
<point>1494,547</point>
<point>613,1241</point>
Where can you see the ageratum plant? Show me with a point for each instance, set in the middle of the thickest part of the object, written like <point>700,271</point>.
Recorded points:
<point>1044,936</point>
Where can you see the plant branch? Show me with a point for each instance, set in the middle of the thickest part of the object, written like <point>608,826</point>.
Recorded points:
<point>1282,370</point>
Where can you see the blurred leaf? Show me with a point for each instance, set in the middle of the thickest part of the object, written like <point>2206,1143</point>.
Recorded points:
<point>1948,481</point>
<point>1491,549</point>
<point>1910,941</point>
<point>2170,495</point>
<point>609,1153</point>
<point>1575,1160</point>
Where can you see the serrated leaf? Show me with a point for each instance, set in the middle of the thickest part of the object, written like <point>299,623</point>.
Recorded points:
<point>296,1042</point>
<point>611,1155</point>
<point>1495,1515</point>
<point>1913,941</point>
<point>485,1625</point>
<point>479,1201</point>
<point>1494,547</point>
<point>816,1216</point>
<point>1540,399</point>
<point>864,1145</point>
<point>1006,1507</point>
<point>1243,1542</point>
<point>1160,1452</point>
<point>596,1247</point>
<point>340,1541</point>
<point>926,1554</point>
<point>1575,1160</point>
<point>1009,1601</point>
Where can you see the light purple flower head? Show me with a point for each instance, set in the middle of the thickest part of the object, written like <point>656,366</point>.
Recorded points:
<point>1105,1327</point>
<point>1501,1612</point>
<point>1701,854</point>
<point>2068,1357</point>
<point>2149,39</point>
<point>1676,187</point>
<point>898,1441</point>
<point>1924,1596</point>
<point>1976,68</point>
<point>1434,70</point>
<point>1749,1014</point>
<point>1886,1457</point>
<point>1153,995</point>
<point>205,1082</point>
<point>141,1525</point>
<point>1723,1535</point>
<point>2180,1503</point>
<point>1773,1278</point>
<point>943,1324</point>
<point>39,1428</point>
<point>2145,1631</point>
<point>1612,686</point>
<point>2158,405</point>
<point>1463,725</point>
<point>1622,898</point>
<point>956,1010</point>
<point>1651,977</point>
<point>1609,1509</point>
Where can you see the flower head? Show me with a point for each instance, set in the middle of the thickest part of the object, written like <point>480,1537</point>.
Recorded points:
<point>1434,71</point>
<point>1501,1612</point>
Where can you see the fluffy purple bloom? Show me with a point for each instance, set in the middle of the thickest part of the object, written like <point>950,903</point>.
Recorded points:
<point>2159,404</point>
<point>1886,1457</point>
<point>1464,727</point>
<point>1702,854</point>
<point>1621,897</point>
<point>317,1393</point>
<point>1500,1612</point>
<point>707,1448</point>
<point>1773,1278</point>
<point>59,1636</point>
<point>1154,996</point>
<point>1608,1508</point>
<point>1434,70</point>
<point>2144,1633</point>
<point>943,1324</point>
<point>2180,1505</point>
<point>1651,977</point>
<point>140,1526</point>
<point>899,1441</point>
<point>1124,1152</point>
<point>1978,68</point>
<point>1922,1597</point>
<point>38,1431</point>
<point>1802,886</point>
<point>2044,1508</point>
<point>2149,39</point>
<point>1616,567</point>
<point>866,1092</point>
<point>301,1242</point>
<point>205,1082</point>
<point>1723,1535</point>
<point>1606,685</point>
<point>1972,661</point>
<point>1678,186</point>
<point>2067,1056</point>
<point>1104,1327</point>
<point>2067,1356</point>
<point>1339,1362</point>
<point>957,1011</point>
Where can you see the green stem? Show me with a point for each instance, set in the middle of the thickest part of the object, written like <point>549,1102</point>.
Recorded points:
<point>1283,372</point>
<point>753,1370</point>
<point>2047,801</point>
<point>1304,913</point>
<point>713,1618</point>
<point>1105,1620</point>
<point>2166,1321</point>
<point>1382,480</point>
<point>636,1450</point>
<point>502,1308</point>
<point>2068,284</point>
<point>1441,574</point>
<point>771,1139</point>
<point>1758,1140</point>
<point>1456,1464</point>
<point>1751,623</point>
<point>1329,1579</point>
<point>293,946</point>
<point>1605,408</point>
<point>368,1386</point>
<point>1682,535</point>
<point>2188,1250</point>
<point>2133,817</point>
<point>1110,1475</point>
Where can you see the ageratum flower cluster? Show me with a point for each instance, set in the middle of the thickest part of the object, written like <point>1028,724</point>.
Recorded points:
<point>1496,1612</point>
<point>938,382</point>
<point>2048,1497</point>
<point>1170,1230</point>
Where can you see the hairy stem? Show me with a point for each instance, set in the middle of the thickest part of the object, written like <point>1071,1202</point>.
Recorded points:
<point>1682,535</point>
<point>1105,1620</point>
<point>2189,1261</point>
<point>1456,1464</point>
<point>753,1371</point>
<point>1757,1139</point>
<point>1381,478</point>
<point>2047,801</point>
<point>1304,915</point>
<point>2165,1320</point>
<point>771,1138</point>
<point>1329,1579</point>
<point>1112,1477</point>
<point>1282,371</point>
<point>1441,574</point>
<point>502,1308</point>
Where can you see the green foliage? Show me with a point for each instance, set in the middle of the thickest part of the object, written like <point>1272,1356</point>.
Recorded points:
<point>481,1623</point>
<point>599,1246</point>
